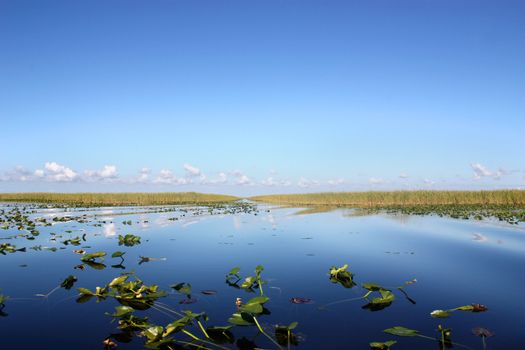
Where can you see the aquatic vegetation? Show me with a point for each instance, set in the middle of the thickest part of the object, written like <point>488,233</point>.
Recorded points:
<point>9,248</point>
<point>447,313</point>
<point>505,205</point>
<point>382,345</point>
<point>114,199</point>
<point>92,257</point>
<point>128,240</point>
<point>134,295</point>
<point>182,330</point>
<point>444,339</point>
<point>250,282</point>
<point>69,282</point>
<point>342,276</point>
<point>183,288</point>
<point>285,336</point>
<point>3,299</point>
<point>483,333</point>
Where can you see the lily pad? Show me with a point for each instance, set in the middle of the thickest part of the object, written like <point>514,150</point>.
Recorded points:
<point>402,331</point>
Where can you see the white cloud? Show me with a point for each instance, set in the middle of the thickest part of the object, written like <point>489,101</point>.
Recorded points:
<point>271,181</point>
<point>222,178</point>
<point>336,182</point>
<point>429,182</point>
<point>304,182</point>
<point>244,180</point>
<point>39,173</point>
<point>403,176</point>
<point>167,177</point>
<point>191,170</point>
<point>59,173</point>
<point>108,172</point>
<point>376,181</point>
<point>482,171</point>
<point>144,175</point>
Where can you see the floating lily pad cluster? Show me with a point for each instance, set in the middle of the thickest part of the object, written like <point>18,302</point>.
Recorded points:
<point>128,240</point>
<point>133,296</point>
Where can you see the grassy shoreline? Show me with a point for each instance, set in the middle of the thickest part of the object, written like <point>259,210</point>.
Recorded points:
<point>399,198</point>
<point>117,199</point>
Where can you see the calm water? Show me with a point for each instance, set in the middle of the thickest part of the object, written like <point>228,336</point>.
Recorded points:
<point>455,263</point>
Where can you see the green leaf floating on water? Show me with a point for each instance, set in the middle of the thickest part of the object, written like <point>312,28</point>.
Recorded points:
<point>128,240</point>
<point>402,331</point>
<point>382,346</point>
<point>342,276</point>
<point>118,281</point>
<point>121,311</point>
<point>92,256</point>
<point>182,288</point>
<point>235,271</point>
<point>372,286</point>
<point>241,319</point>
<point>153,333</point>
<point>118,254</point>
<point>68,282</point>
<point>387,297</point>
<point>293,325</point>
<point>254,305</point>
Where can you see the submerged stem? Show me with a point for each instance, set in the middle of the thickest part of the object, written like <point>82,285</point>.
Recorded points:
<point>202,329</point>
<point>265,334</point>
<point>347,300</point>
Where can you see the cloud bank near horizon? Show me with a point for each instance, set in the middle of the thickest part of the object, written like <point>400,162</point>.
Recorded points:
<point>191,177</point>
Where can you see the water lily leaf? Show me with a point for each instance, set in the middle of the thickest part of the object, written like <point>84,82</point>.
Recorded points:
<point>128,240</point>
<point>342,276</point>
<point>382,346</point>
<point>85,291</point>
<point>122,311</point>
<point>258,300</point>
<point>401,331</point>
<point>118,254</point>
<point>241,319</point>
<point>92,256</point>
<point>293,325</point>
<point>84,298</point>
<point>387,297</point>
<point>252,308</point>
<point>68,282</point>
<point>248,282</point>
<point>118,281</point>
<point>234,271</point>
<point>153,333</point>
<point>95,265</point>
<point>372,286</point>
<point>183,288</point>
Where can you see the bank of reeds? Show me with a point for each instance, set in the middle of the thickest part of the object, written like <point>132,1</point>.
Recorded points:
<point>116,199</point>
<point>375,199</point>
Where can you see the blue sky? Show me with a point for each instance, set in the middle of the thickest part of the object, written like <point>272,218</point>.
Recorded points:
<point>248,97</point>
